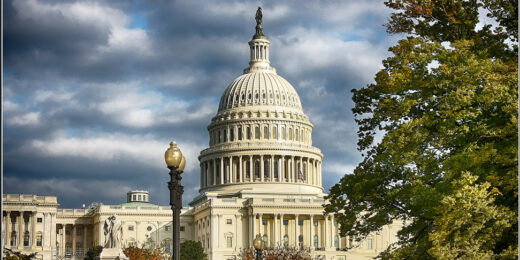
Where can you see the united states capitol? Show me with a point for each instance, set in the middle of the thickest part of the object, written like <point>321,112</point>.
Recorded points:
<point>260,175</point>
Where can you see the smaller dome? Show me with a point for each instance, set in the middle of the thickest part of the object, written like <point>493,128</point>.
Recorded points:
<point>257,89</point>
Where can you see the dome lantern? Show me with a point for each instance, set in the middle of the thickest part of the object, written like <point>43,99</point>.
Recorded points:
<point>259,49</point>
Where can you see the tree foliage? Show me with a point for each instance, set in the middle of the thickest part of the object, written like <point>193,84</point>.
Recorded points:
<point>142,253</point>
<point>93,253</point>
<point>15,255</point>
<point>191,250</point>
<point>446,104</point>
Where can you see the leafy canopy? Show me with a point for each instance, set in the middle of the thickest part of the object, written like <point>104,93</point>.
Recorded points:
<point>446,104</point>
<point>191,250</point>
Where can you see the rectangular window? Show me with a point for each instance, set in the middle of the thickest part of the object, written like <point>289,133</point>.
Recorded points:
<point>166,228</point>
<point>229,242</point>
<point>266,132</point>
<point>182,228</point>
<point>78,232</point>
<point>335,223</point>
<point>39,220</point>
<point>232,135</point>
<point>130,228</point>
<point>39,240</point>
<point>369,243</point>
<point>257,132</point>
<point>248,133</point>
<point>225,135</point>
<point>285,222</point>
<point>300,222</point>
<point>264,222</point>
<point>275,135</point>
<point>240,133</point>
<point>229,221</point>
<point>315,222</point>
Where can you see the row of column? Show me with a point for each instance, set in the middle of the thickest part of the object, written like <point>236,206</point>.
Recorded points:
<point>275,230</point>
<point>22,228</point>
<point>262,131</point>
<point>259,51</point>
<point>260,168</point>
<point>68,239</point>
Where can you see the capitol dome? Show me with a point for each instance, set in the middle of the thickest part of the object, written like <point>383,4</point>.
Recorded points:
<point>260,139</point>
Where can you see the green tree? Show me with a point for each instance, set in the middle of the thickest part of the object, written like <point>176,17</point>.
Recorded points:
<point>93,252</point>
<point>191,250</point>
<point>14,255</point>
<point>446,104</point>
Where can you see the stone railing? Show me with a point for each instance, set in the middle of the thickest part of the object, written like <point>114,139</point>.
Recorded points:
<point>29,198</point>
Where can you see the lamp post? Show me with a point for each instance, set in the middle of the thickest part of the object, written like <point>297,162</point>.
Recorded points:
<point>259,244</point>
<point>175,162</point>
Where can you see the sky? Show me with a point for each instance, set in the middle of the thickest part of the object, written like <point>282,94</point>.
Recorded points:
<point>94,91</point>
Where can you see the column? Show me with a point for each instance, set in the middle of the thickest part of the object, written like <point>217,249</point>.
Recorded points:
<point>296,230</point>
<point>20,230</point>
<point>325,237</point>
<point>240,168</point>
<point>312,233</point>
<point>53,231</point>
<point>231,175</point>
<point>275,231</point>
<point>73,239</point>
<point>84,239</point>
<point>62,239</point>
<point>271,171</point>
<point>280,174</point>
<point>262,168</point>
<point>213,240</point>
<point>253,227</point>
<point>219,232</point>
<point>282,229</point>
<point>221,170</point>
<point>214,172</point>
<point>137,232</point>
<point>100,231</point>
<point>251,168</point>
<point>8,230</point>
<point>301,169</point>
<point>331,230</point>
<point>289,169</point>
<point>308,170</point>
<point>201,176</point>
<point>32,241</point>
<point>261,228</point>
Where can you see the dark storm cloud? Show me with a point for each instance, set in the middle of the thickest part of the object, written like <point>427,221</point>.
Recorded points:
<point>95,90</point>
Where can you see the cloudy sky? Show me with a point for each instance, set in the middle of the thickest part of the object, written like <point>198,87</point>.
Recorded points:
<point>95,90</point>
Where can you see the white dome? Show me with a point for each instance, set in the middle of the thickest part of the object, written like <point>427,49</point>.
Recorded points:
<point>260,89</point>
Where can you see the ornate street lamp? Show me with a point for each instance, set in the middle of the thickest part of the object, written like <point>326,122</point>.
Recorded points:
<point>175,162</point>
<point>258,244</point>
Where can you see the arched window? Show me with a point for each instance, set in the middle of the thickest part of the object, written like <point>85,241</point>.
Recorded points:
<point>274,134</point>
<point>285,240</point>
<point>266,132</point>
<point>266,169</point>
<point>315,241</point>
<point>39,239</point>
<point>257,169</point>
<point>336,242</point>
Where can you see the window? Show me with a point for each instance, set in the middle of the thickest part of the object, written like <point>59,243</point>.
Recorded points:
<point>13,238</point>
<point>138,197</point>
<point>225,135</point>
<point>229,241</point>
<point>182,228</point>
<point>285,222</point>
<point>264,237</point>
<point>266,132</point>
<point>26,239</point>
<point>166,228</point>
<point>248,133</point>
<point>266,168</point>
<point>39,239</point>
<point>296,134</point>
<point>239,133</point>
<point>275,135</point>
<point>257,132</point>
<point>167,245</point>
<point>315,222</point>
<point>300,238</point>
<point>300,222</point>
<point>264,222</point>
<point>149,228</point>
<point>290,133</point>
<point>336,241</point>
<point>275,166</point>
<point>335,223</point>
<point>248,170</point>
<point>232,134</point>
<point>285,241</point>
<point>39,220</point>
<point>369,243</point>
<point>229,221</point>
<point>78,232</point>
<point>315,241</point>
<point>257,169</point>
<point>131,228</point>
<point>283,132</point>
<point>134,197</point>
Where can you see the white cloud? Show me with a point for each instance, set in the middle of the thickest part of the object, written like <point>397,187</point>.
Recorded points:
<point>143,149</point>
<point>339,169</point>
<point>28,119</point>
